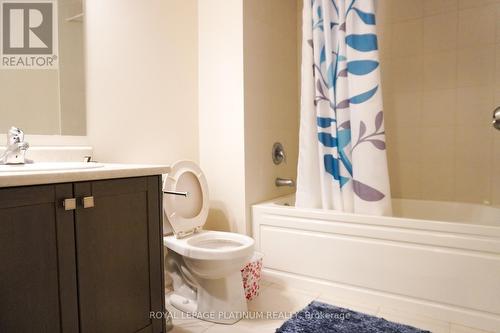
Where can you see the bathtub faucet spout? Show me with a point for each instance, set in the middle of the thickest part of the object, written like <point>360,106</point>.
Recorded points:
<point>284,182</point>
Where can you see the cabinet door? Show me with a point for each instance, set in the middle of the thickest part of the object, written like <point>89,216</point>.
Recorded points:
<point>37,260</point>
<point>118,244</point>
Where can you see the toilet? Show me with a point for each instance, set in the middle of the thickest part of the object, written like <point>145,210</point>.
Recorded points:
<point>204,266</point>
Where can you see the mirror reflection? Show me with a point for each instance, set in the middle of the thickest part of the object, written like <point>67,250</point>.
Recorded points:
<point>42,76</point>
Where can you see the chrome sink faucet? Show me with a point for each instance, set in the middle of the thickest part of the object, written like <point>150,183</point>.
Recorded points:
<point>16,148</point>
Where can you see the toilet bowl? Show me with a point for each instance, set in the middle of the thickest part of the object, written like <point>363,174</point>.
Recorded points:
<point>203,265</point>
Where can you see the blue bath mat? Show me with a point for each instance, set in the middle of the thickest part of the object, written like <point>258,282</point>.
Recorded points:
<point>319,317</point>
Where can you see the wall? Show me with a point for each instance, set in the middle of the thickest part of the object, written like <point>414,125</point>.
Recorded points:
<point>248,101</point>
<point>300,6</point>
<point>271,90</point>
<point>440,64</point>
<point>214,81</point>
<point>142,80</point>
<point>221,111</point>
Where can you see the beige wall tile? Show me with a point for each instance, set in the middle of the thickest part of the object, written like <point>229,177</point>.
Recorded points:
<point>497,22</point>
<point>407,74</point>
<point>496,147</point>
<point>438,181</point>
<point>438,145</point>
<point>497,64</point>
<point>476,26</point>
<point>432,7</point>
<point>392,152</point>
<point>438,108</point>
<point>476,66</point>
<point>473,164</point>
<point>384,11</point>
<point>407,108</point>
<point>472,184</point>
<point>407,9</point>
<point>384,39</point>
<point>495,195</point>
<point>440,70</point>
<point>386,75</point>
<point>474,105</point>
<point>496,97</point>
<point>440,32</point>
<point>388,105</point>
<point>474,144</point>
<point>475,3</point>
<point>439,100</point>
<point>407,143</point>
<point>495,182</point>
<point>396,191</point>
<point>390,119</point>
<point>406,181</point>
<point>407,38</point>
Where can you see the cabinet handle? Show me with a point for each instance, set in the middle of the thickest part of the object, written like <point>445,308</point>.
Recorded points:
<point>88,202</point>
<point>69,204</point>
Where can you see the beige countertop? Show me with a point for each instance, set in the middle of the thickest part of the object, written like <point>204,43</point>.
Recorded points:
<point>106,171</point>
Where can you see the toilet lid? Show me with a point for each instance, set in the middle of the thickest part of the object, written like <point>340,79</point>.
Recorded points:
<point>185,214</point>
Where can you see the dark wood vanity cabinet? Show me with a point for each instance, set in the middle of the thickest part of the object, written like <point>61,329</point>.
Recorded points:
<point>37,264</point>
<point>89,270</point>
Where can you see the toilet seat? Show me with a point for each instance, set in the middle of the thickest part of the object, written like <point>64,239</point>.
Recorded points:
<point>186,214</point>
<point>211,245</point>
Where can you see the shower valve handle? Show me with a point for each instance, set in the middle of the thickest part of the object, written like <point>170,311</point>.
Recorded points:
<point>496,118</point>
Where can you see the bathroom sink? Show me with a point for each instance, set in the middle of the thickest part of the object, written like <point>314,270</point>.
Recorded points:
<point>49,166</point>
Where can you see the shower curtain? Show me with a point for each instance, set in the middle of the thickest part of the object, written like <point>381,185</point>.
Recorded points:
<point>342,156</point>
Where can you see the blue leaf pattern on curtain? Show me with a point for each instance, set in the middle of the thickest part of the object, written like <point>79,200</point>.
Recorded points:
<point>347,103</point>
<point>361,67</point>
<point>368,18</point>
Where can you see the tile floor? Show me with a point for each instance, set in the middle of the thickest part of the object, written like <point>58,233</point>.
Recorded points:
<point>276,298</point>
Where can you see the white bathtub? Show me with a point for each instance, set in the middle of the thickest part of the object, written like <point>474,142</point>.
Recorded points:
<point>433,258</point>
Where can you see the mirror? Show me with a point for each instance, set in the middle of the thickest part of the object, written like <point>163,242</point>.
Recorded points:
<point>42,69</point>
